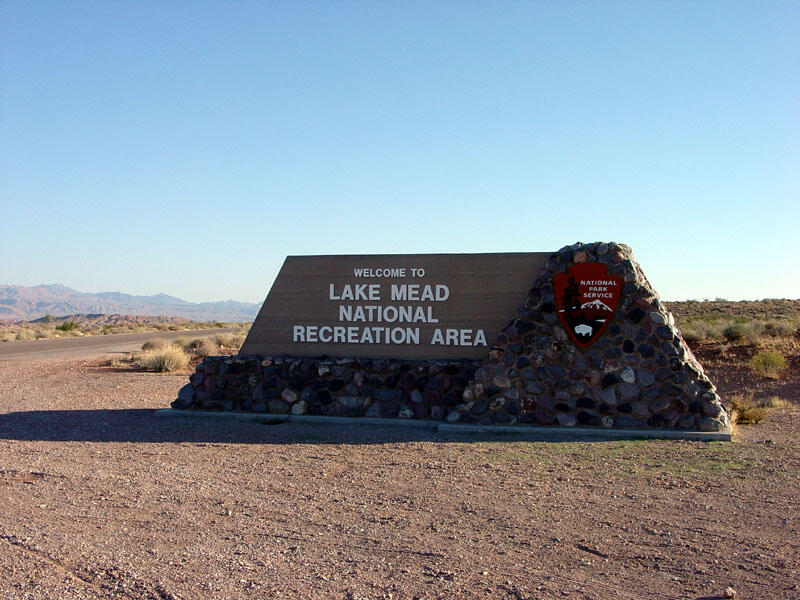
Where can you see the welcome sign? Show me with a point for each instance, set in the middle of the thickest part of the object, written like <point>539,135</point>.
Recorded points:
<point>416,306</point>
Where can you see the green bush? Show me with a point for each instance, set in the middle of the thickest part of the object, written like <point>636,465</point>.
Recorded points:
<point>734,332</point>
<point>769,363</point>
<point>67,326</point>
<point>751,332</point>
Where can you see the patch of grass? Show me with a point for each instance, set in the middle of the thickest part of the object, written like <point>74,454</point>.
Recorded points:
<point>164,359</point>
<point>746,411</point>
<point>118,362</point>
<point>778,402</point>
<point>769,363</point>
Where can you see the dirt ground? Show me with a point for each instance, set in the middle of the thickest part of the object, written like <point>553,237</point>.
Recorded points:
<point>102,498</point>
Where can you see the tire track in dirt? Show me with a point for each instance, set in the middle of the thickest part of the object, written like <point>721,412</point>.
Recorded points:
<point>101,580</point>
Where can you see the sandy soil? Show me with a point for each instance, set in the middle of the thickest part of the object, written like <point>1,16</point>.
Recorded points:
<point>100,498</point>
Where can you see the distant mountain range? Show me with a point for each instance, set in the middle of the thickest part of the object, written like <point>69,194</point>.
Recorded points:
<point>27,303</point>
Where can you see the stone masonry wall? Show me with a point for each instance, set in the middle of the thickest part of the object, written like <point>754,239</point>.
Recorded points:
<point>638,373</point>
<point>342,387</point>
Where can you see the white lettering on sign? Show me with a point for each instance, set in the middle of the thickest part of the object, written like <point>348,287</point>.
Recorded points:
<point>437,293</point>
<point>355,335</point>
<point>360,291</point>
<point>389,314</point>
<point>458,337</point>
<point>386,314</point>
<point>379,272</point>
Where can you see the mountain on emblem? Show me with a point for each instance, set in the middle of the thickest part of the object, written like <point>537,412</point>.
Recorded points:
<point>596,304</point>
<point>586,297</point>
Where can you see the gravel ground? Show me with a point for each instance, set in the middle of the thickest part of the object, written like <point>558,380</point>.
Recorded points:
<point>100,498</point>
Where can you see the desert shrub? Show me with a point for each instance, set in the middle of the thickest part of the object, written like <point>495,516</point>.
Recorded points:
<point>746,411</point>
<point>155,344</point>
<point>744,331</point>
<point>43,333</point>
<point>714,331</point>
<point>768,363</point>
<point>734,332</point>
<point>710,329</point>
<point>203,347</point>
<point>25,334</point>
<point>67,326</point>
<point>181,343</point>
<point>163,359</point>
<point>693,331</point>
<point>229,340</point>
<point>780,328</point>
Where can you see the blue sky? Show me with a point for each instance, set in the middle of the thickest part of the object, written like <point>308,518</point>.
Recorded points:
<point>187,147</point>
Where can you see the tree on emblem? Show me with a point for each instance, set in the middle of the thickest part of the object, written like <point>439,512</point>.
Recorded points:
<point>571,299</point>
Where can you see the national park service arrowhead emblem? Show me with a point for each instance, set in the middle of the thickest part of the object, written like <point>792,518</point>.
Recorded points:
<point>586,297</point>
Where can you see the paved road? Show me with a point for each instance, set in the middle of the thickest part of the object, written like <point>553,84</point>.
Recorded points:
<point>94,345</point>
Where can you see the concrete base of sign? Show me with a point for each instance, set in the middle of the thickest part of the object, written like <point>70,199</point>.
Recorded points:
<point>541,433</point>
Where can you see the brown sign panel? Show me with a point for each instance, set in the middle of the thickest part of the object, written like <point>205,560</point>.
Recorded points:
<point>586,298</point>
<point>392,306</point>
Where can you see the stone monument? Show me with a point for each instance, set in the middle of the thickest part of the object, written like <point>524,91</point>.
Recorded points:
<point>575,338</point>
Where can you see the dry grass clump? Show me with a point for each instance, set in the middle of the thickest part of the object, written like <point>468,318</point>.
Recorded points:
<point>155,344</point>
<point>203,347</point>
<point>169,358</point>
<point>229,340</point>
<point>747,411</point>
<point>778,402</point>
<point>769,363</point>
